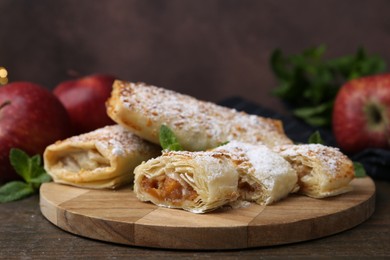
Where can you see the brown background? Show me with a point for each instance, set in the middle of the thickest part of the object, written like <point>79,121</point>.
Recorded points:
<point>209,49</point>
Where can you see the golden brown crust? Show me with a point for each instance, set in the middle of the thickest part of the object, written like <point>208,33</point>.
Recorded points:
<point>194,181</point>
<point>205,180</point>
<point>104,158</point>
<point>323,171</point>
<point>199,125</point>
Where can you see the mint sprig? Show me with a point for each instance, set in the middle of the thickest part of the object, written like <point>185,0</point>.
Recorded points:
<point>168,140</point>
<point>315,138</point>
<point>360,172</point>
<point>309,83</point>
<point>32,172</point>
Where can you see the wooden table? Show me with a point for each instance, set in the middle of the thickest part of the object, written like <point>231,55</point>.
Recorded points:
<point>26,234</point>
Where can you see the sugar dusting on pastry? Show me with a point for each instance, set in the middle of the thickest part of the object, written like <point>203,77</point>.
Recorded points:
<point>199,118</point>
<point>268,174</point>
<point>323,171</point>
<point>194,181</point>
<point>104,158</point>
<point>114,137</point>
<point>268,164</point>
<point>330,157</point>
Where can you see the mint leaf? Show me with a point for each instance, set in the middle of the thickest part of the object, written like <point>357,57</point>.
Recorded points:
<point>21,163</point>
<point>42,178</point>
<point>315,138</point>
<point>35,166</point>
<point>168,140</point>
<point>224,143</point>
<point>316,116</point>
<point>309,83</point>
<point>15,190</point>
<point>30,169</point>
<point>359,170</point>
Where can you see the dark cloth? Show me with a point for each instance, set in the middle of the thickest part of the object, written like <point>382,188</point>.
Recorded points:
<point>375,161</point>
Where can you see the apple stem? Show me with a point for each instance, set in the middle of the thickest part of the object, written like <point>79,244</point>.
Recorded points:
<point>375,114</point>
<point>5,103</point>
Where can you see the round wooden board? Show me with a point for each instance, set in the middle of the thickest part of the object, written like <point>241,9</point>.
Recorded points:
<point>118,216</point>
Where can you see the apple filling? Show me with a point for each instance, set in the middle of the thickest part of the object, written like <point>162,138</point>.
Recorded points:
<point>248,189</point>
<point>79,160</point>
<point>306,180</point>
<point>164,188</point>
<point>252,190</point>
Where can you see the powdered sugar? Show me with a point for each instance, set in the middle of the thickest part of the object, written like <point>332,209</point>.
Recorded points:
<point>269,174</point>
<point>115,138</point>
<point>207,124</point>
<point>262,158</point>
<point>328,157</point>
<point>268,162</point>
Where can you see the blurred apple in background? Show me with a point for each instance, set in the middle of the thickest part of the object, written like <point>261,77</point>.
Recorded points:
<point>31,118</point>
<point>361,114</point>
<point>84,98</point>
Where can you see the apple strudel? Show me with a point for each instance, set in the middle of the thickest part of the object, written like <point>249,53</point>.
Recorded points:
<point>323,171</point>
<point>194,181</point>
<point>265,176</point>
<point>104,158</point>
<point>205,180</point>
<point>198,125</point>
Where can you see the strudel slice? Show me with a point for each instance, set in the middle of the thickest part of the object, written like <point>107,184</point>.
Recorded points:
<point>265,176</point>
<point>323,171</point>
<point>194,181</point>
<point>203,181</point>
<point>104,158</point>
<point>198,125</point>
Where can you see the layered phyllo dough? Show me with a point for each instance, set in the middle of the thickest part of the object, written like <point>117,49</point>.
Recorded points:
<point>194,181</point>
<point>198,125</point>
<point>104,158</point>
<point>203,181</point>
<point>265,176</point>
<point>323,171</point>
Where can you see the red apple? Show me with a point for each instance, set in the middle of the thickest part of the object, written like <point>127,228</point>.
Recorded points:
<point>361,114</point>
<point>31,118</point>
<point>84,99</point>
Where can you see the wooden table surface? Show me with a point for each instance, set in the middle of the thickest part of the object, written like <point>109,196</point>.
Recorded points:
<point>26,234</point>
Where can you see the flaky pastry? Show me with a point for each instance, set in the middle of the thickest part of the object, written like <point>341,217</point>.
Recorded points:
<point>323,171</point>
<point>104,158</point>
<point>198,125</point>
